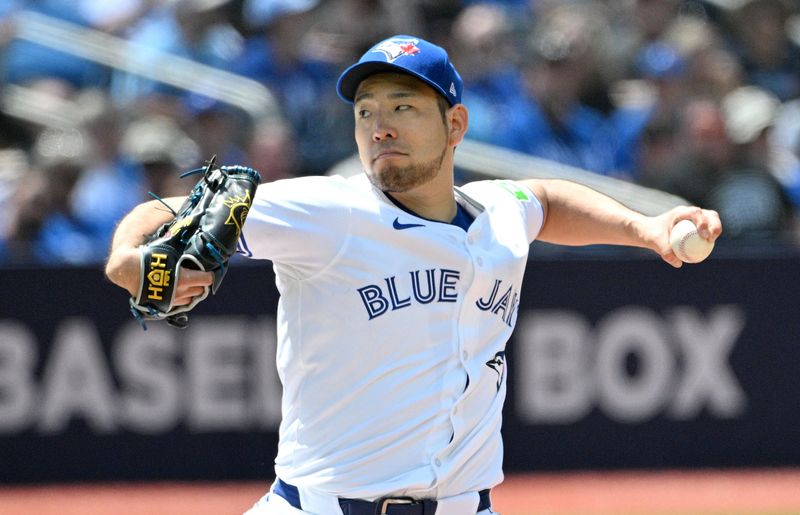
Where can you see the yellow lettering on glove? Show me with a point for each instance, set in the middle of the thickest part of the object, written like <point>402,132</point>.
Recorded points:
<point>180,224</point>
<point>239,207</point>
<point>158,277</point>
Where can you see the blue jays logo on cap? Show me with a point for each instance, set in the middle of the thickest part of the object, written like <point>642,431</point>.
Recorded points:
<point>394,48</point>
<point>405,54</point>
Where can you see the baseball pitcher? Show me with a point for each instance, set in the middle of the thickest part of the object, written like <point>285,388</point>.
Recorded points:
<point>399,292</point>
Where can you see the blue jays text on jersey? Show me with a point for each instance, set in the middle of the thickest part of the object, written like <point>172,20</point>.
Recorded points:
<point>433,285</point>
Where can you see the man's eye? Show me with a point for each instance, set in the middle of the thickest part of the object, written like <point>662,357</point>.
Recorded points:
<point>403,107</point>
<point>363,113</point>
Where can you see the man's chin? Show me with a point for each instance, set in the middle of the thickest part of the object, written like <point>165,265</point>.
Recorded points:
<point>384,185</point>
<point>400,179</point>
<point>394,182</point>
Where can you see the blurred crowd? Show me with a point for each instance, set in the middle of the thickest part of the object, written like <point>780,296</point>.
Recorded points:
<point>700,98</point>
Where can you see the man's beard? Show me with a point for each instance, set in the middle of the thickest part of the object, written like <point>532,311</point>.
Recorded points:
<point>399,179</point>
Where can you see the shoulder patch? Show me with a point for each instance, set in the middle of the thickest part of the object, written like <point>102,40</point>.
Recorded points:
<point>515,189</point>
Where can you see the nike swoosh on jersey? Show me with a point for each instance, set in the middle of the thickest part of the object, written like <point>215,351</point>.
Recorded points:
<point>400,226</point>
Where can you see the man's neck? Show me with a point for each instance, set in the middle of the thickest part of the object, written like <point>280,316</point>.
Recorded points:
<point>434,200</point>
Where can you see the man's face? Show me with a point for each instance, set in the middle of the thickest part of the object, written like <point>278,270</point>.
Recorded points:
<point>401,133</point>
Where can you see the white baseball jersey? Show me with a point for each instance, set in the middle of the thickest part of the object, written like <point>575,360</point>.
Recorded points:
<point>391,333</point>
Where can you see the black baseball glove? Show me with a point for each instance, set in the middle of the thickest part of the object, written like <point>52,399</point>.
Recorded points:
<point>202,236</point>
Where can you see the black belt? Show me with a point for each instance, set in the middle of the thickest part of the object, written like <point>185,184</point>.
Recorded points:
<point>383,506</point>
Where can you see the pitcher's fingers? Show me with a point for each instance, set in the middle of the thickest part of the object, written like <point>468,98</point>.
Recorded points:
<point>191,277</point>
<point>714,223</point>
<point>708,223</point>
<point>672,259</point>
<point>189,291</point>
<point>185,295</point>
<point>182,301</point>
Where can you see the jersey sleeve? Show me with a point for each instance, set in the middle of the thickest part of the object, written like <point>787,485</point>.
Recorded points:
<point>300,224</point>
<point>531,206</point>
<point>515,196</point>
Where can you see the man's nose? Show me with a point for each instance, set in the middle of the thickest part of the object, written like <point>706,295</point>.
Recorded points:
<point>383,130</point>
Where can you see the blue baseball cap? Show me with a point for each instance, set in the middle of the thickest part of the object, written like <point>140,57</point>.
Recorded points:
<point>405,54</point>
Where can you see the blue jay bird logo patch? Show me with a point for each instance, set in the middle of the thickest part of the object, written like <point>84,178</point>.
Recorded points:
<point>396,48</point>
<point>498,364</point>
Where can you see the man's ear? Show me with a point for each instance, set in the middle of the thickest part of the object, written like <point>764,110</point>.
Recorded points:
<point>459,121</point>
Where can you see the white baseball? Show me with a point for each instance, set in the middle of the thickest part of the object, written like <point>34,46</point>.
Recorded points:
<point>687,244</point>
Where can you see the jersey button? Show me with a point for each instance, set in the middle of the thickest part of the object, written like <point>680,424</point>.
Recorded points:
<point>465,355</point>
<point>480,261</point>
<point>438,462</point>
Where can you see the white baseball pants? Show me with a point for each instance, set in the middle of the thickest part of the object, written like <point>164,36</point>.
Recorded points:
<point>273,504</point>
